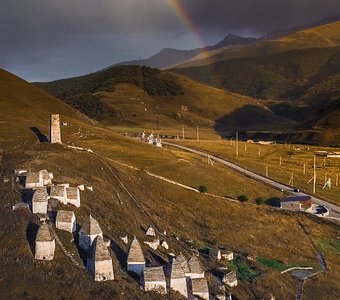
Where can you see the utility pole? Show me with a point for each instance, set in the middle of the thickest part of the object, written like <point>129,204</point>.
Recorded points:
<point>304,168</point>
<point>183,137</point>
<point>336,179</point>
<point>236,144</point>
<point>314,177</point>
<point>259,151</point>
<point>266,170</point>
<point>280,161</point>
<point>197,134</point>
<point>291,180</point>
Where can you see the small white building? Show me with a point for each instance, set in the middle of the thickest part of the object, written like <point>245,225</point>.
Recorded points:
<point>152,242</point>
<point>165,245</point>
<point>66,220</point>
<point>150,139</point>
<point>33,180</point>
<point>125,239</point>
<point>73,196</point>
<point>228,255</point>
<point>40,201</point>
<point>230,278</point>
<point>100,263</point>
<point>150,231</point>
<point>59,192</point>
<point>199,287</point>
<point>44,244</point>
<point>178,281</point>
<point>135,258</point>
<point>158,142</point>
<point>153,279</point>
<point>88,232</point>
<point>221,292</point>
<point>195,267</point>
<point>46,177</point>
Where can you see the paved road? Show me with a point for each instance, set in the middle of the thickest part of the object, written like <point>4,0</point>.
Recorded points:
<point>334,209</point>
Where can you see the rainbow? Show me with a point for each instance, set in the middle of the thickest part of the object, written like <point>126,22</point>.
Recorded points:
<point>181,11</point>
<point>183,15</point>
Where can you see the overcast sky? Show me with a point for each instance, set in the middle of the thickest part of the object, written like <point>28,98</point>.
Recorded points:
<point>42,40</point>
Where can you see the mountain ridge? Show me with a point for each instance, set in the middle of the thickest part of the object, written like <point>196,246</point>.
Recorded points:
<point>168,57</point>
<point>326,35</point>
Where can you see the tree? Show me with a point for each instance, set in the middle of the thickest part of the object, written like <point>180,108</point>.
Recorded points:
<point>242,198</point>
<point>203,189</point>
<point>259,201</point>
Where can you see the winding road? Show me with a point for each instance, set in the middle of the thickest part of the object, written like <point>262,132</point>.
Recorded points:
<point>334,209</point>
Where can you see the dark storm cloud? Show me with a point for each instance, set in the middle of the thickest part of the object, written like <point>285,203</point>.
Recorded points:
<point>258,16</point>
<point>46,39</point>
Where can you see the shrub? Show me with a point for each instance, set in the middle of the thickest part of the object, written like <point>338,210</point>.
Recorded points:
<point>203,189</point>
<point>174,233</point>
<point>242,198</point>
<point>259,201</point>
<point>201,246</point>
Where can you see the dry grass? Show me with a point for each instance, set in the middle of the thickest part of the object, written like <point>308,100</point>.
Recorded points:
<point>293,158</point>
<point>244,228</point>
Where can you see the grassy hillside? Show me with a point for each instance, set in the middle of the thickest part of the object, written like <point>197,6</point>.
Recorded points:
<point>81,92</point>
<point>306,83</point>
<point>152,99</point>
<point>250,230</point>
<point>18,98</point>
<point>327,35</point>
<point>300,66</point>
<point>287,75</point>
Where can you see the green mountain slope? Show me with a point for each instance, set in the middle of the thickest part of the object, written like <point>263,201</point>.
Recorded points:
<point>286,75</point>
<point>156,99</point>
<point>306,82</point>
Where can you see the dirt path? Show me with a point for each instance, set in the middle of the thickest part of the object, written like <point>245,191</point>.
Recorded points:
<point>67,253</point>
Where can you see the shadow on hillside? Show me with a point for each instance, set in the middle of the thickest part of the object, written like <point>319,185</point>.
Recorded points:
<point>27,195</point>
<point>120,253</point>
<point>31,233</point>
<point>250,117</point>
<point>42,138</point>
<point>82,253</point>
<point>274,202</point>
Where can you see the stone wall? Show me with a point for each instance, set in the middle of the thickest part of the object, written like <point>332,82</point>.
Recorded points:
<point>70,227</point>
<point>44,250</point>
<point>39,207</point>
<point>156,286</point>
<point>179,285</point>
<point>103,270</point>
<point>55,129</point>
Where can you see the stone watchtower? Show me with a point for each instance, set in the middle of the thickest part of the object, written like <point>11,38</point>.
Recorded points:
<point>55,129</point>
